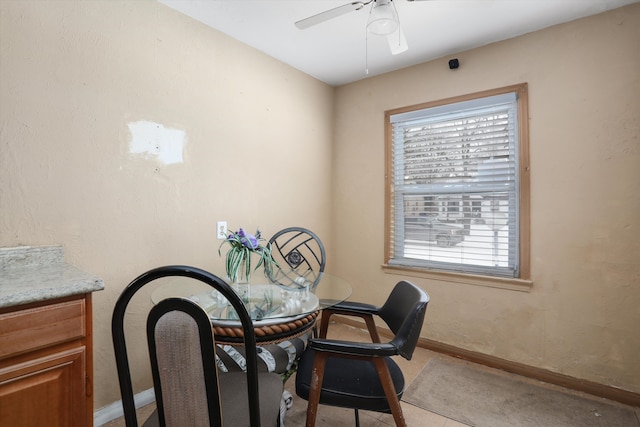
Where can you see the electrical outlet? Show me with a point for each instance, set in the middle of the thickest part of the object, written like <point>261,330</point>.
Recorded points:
<point>221,230</point>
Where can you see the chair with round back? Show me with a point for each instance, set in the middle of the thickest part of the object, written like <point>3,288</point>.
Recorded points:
<point>300,255</point>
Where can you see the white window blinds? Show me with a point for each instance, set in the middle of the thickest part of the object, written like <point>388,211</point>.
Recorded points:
<point>455,187</point>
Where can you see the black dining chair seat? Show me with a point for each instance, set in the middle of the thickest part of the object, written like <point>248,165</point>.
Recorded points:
<point>349,385</point>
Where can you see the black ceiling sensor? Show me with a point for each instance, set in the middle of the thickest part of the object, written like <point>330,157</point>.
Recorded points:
<point>453,63</point>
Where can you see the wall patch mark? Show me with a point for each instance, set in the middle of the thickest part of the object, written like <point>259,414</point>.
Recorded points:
<point>155,140</point>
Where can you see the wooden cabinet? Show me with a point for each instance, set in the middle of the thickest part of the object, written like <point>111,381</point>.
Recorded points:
<point>46,366</point>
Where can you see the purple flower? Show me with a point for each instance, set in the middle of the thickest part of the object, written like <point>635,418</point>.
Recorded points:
<point>248,240</point>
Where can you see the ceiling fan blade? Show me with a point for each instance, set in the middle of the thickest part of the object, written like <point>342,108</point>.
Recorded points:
<point>329,14</point>
<point>397,42</point>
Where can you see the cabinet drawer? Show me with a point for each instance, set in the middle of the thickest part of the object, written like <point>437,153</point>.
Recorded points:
<point>38,327</point>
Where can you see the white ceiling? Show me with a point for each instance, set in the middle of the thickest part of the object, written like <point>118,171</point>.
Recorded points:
<point>338,51</point>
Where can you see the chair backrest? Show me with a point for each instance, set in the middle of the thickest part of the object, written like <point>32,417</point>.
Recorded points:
<point>300,255</point>
<point>185,378</point>
<point>404,312</point>
<point>120,347</point>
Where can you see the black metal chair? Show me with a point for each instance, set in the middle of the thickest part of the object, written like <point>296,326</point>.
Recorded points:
<point>362,375</point>
<point>189,388</point>
<point>300,255</point>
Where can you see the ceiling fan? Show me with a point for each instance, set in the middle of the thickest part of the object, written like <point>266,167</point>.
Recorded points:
<point>383,21</point>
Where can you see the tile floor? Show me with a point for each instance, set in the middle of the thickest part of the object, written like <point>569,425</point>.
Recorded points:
<point>334,417</point>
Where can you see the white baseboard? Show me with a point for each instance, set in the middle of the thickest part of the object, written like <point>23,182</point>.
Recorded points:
<point>114,410</point>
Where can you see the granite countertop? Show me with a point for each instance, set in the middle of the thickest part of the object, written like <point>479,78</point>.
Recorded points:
<point>32,274</point>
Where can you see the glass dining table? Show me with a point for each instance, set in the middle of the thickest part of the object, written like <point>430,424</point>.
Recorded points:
<point>279,312</point>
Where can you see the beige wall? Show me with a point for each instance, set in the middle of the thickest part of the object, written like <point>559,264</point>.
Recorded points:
<point>73,75</point>
<point>582,313</point>
<point>258,152</point>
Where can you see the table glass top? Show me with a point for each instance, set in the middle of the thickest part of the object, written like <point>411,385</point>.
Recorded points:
<point>266,302</point>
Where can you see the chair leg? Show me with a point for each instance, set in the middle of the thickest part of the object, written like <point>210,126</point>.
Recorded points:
<point>357,417</point>
<point>371,327</point>
<point>317,373</point>
<point>389,391</point>
<point>324,323</point>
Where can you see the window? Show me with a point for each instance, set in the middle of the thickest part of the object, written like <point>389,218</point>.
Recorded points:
<point>458,185</point>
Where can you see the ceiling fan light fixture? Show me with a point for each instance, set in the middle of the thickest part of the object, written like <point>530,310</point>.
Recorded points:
<point>383,19</point>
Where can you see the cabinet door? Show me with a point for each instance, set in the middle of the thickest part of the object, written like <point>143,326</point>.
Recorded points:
<point>49,391</point>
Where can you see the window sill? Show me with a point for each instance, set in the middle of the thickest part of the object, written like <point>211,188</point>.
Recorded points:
<point>512,284</point>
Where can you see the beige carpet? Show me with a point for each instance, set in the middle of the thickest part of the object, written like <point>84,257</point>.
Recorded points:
<point>485,397</point>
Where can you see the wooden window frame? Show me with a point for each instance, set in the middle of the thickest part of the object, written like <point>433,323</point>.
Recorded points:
<point>522,281</point>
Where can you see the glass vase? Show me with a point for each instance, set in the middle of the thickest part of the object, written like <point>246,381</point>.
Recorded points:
<point>243,289</point>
